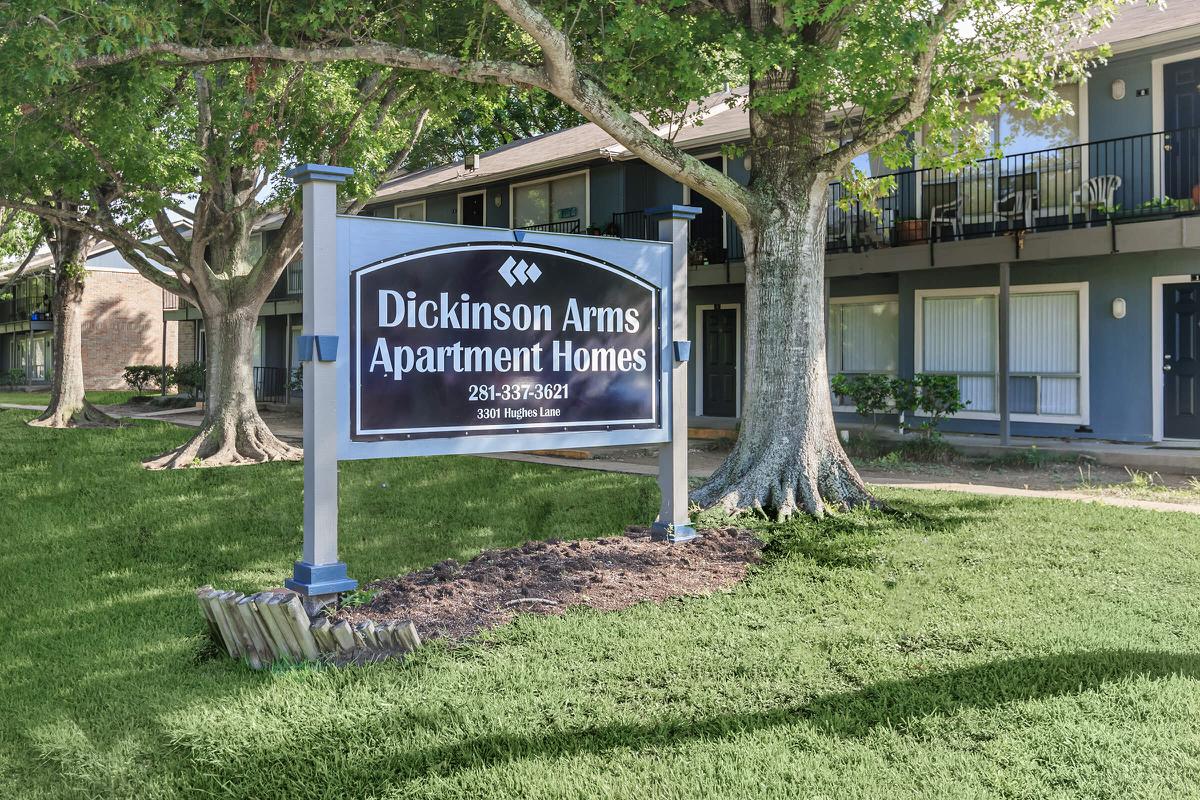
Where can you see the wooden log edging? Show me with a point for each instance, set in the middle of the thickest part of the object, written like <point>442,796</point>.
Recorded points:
<point>273,626</point>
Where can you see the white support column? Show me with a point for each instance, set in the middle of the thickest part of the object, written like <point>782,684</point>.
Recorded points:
<point>320,574</point>
<point>673,523</point>
<point>1003,336</point>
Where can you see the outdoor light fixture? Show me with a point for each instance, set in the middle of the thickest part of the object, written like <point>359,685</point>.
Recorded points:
<point>471,162</point>
<point>1118,89</point>
<point>746,162</point>
<point>496,201</point>
<point>1118,308</point>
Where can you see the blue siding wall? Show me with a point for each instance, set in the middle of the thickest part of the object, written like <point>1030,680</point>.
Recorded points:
<point>1119,351</point>
<point>441,208</point>
<point>608,193</point>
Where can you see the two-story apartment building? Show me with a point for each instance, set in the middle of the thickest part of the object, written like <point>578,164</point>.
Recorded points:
<point>1090,220</point>
<point>122,322</point>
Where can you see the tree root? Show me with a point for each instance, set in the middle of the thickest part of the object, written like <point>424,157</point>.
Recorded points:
<point>779,487</point>
<point>230,442</point>
<point>58,415</point>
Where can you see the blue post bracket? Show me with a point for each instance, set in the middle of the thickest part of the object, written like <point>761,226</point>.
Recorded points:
<point>320,579</point>
<point>326,347</point>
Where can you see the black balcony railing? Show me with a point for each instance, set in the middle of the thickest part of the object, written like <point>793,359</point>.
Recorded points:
<point>563,226</point>
<point>28,296</point>
<point>1119,180</point>
<point>630,225</point>
<point>270,384</point>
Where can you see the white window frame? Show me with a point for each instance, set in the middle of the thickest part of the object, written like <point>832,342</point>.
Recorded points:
<point>396,208</point>
<point>1157,113</point>
<point>1157,378</point>
<point>1081,288</point>
<point>737,343</point>
<point>585,222</point>
<point>295,270</point>
<point>459,212</point>
<point>863,299</point>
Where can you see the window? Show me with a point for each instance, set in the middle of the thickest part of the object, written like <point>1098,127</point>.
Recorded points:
<point>958,335</point>
<point>1044,375</point>
<point>259,337</point>
<point>414,211</point>
<point>864,336</point>
<point>555,200</point>
<point>295,278</point>
<point>256,248</point>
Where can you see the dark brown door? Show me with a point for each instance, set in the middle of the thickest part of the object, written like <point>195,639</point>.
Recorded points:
<point>1181,361</point>
<point>720,387</point>
<point>1181,119</point>
<point>472,210</point>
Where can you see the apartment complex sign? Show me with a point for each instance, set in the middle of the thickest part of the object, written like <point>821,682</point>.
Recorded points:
<point>426,339</point>
<point>487,339</point>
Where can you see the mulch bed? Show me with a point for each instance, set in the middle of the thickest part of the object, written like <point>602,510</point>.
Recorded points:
<point>451,600</point>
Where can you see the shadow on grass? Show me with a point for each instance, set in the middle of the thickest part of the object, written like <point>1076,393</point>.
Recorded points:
<point>852,541</point>
<point>899,705</point>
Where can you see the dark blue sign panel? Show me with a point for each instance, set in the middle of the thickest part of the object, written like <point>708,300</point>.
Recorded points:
<point>497,338</point>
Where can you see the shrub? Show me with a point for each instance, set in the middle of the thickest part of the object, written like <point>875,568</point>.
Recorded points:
<point>870,394</point>
<point>939,398</point>
<point>12,377</point>
<point>190,378</point>
<point>139,376</point>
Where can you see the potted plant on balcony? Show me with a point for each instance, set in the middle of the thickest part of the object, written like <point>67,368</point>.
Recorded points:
<point>1103,214</point>
<point>1158,208</point>
<point>910,230</point>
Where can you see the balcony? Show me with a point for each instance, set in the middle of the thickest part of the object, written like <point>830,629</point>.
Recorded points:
<point>1089,185</point>
<point>1130,179</point>
<point>28,301</point>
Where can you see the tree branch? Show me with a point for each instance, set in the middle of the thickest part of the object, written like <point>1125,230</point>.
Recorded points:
<point>911,107</point>
<point>25,263</point>
<point>582,93</point>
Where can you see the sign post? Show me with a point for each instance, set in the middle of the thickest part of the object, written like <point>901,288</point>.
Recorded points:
<point>320,574</point>
<point>429,339</point>
<point>673,523</point>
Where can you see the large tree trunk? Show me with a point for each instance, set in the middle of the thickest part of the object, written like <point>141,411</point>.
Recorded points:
<point>232,431</point>
<point>787,457</point>
<point>68,407</point>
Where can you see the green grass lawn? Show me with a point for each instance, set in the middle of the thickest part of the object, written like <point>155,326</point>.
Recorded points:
<point>967,647</point>
<point>43,398</point>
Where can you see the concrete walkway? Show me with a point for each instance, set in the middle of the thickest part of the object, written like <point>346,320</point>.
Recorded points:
<point>889,481</point>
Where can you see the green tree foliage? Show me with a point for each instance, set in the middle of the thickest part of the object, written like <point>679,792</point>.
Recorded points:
<point>829,80</point>
<point>178,165</point>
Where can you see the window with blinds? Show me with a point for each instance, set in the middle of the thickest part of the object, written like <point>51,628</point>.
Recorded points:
<point>556,200</point>
<point>864,337</point>
<point>959,336</point>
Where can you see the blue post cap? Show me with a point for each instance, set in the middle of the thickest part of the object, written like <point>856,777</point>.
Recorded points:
<point>303,173</point>
<point>674,211</point>
<point>317,579</point>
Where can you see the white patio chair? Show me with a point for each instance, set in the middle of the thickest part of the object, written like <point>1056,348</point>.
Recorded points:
<point>946,214</point>
<point>1096,192</point>
<point>1015,205</point>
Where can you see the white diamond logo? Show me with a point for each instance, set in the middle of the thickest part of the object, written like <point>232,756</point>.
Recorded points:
<point>506,271</point>
<point>514,272</point>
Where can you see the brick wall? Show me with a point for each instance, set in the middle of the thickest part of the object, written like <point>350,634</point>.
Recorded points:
<point>122,325</point>
<point>187,341</point>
